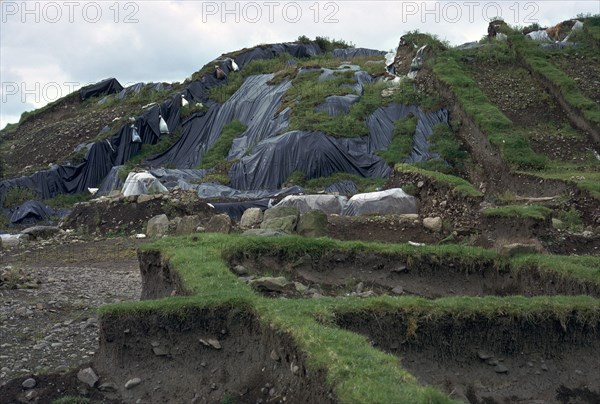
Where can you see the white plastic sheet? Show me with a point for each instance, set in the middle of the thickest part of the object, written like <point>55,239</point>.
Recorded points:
<point>391,201</point>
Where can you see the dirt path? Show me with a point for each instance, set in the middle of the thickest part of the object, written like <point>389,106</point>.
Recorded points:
<point>49,322</point>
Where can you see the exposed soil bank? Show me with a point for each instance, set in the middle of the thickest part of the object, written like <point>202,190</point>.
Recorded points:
<point>250,363</point>
<point>491,360</point>
<point>339,273</point>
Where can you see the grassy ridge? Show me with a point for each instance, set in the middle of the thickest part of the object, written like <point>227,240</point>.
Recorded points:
<point>513,146</point>
<point>524,211</point>
<point>355,370</point>
<point>458,185</point>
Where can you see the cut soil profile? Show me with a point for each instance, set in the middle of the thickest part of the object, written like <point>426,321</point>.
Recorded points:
<point>491,360</point>
<point>339,273</point>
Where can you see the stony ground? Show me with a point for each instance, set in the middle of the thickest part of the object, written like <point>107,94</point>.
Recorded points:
<point>49,297</point>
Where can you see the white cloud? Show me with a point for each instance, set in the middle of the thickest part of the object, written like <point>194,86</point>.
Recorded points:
<point>173,39</point>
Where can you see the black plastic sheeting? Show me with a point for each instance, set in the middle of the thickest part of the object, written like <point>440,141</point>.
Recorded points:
<point>235,210</point>
<point>118,149</point>
<point>356,52</point>
<point>30,211</point>
<point>99,160</point>
<point>381,129</point>
<point>254,104</point>
<point>104,87</point>
<point>111,182</point>
<point>313,153</point>
<point>212,190</point>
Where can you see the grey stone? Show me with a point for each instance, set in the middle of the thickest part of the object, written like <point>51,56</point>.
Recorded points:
<point>219,224</point>
<point>133,382</point>
<point>42,232</point>
<point>251,218</point>
<point>240,270</point>
<point>272,284</point>
<point>500,368</point>
<point>433,224</point>
<point>158,226</point>
<point>29,383</point>
<point>312,224</point>
<point>187,225</point>
<point>280,211</point>
<point>88,376</point>
<point>511,250</point>
<point>286,223</point>
<point>145,198</point>
<point>398,290</point>
<point>483,355</point>
<point>211,342</point>
<point>108,387</point>
<point>158,351</point>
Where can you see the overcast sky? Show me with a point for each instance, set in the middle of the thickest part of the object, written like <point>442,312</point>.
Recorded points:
<point>49,48</point>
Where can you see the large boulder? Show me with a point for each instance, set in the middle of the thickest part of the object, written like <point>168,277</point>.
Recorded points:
<point>433,224</point>
<point>187,225</point>
<point>392,201</point>
<point>280,218</point>
<point>219,224</point>
<point>251,218</point>
<point>330,204</point>
<point>158,226</point>
<point>312,224</point>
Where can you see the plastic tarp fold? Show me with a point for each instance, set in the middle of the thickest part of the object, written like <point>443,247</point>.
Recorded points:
<point>254,104</point>
<point>104,87</point>
<point>391,201</point>
<point>141,184</point>
<point>212,190</point>
<point>30,211</point>
<point>330,204</point>
<point>313,153</point>
<point>111,182</point>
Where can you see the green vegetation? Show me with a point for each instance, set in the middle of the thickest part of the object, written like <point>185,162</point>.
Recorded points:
<point>444,142</point>
<point>523,211</point>
<point>295,178</point>
<point>353,368</point>
<point>420,39</point>
<point>571,219</point>
<point>218,152</point>
<point>67,200</point>
<point>402,141</point>
<point>363,184</point>
<point>456,184</point>
<point>585,268</point>
<point>514,147</point>
<point>16,196</point>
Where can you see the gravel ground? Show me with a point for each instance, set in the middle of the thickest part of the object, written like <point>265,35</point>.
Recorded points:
<point>48,323</point>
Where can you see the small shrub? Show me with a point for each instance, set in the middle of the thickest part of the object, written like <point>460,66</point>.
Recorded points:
<point>295,178</point>
<point>402,141</point>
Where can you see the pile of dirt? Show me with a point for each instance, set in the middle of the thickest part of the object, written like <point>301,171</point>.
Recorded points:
<point>129,215</point>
